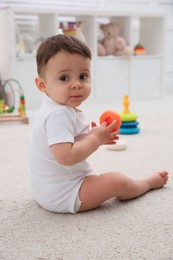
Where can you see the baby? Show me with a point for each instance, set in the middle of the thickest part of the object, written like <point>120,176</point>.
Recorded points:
<point>61,141</point>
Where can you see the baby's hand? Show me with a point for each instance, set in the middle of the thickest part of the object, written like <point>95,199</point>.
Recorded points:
<point>104,133</point>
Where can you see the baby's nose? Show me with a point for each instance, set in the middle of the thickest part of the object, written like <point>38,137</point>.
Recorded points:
<point>76,84</point>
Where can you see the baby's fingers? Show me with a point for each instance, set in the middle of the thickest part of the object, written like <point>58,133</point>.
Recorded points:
<point>114,135</point>
<point>93,124</point>
<point>104,124</point>
<point>111,127</point>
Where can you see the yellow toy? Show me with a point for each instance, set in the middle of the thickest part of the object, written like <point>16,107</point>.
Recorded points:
<point>127,116</point>
<point>129,124</point>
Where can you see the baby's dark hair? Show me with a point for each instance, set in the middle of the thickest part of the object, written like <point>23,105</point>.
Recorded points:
<point>54,44</point>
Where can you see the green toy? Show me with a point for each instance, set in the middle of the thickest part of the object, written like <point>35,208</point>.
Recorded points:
<point>129,123</point>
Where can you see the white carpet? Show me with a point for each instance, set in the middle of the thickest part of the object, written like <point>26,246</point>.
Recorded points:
<point>133,230</point>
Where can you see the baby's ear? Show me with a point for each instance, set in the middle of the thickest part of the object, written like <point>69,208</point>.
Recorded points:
<point>40,84</point>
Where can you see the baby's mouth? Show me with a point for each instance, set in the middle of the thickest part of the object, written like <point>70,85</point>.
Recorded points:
<point>76,96</point>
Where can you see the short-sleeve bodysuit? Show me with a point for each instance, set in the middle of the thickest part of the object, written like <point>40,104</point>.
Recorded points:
<point>55,186</point>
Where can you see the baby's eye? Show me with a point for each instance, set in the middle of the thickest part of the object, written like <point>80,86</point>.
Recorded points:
<point>83,76</point>
<point>64,78</point>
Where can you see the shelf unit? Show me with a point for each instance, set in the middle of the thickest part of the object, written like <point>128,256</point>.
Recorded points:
<point>139,76</point>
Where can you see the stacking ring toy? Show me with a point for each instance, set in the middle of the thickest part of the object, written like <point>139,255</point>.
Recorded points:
<point>129,124</point>
<point>119,146</point>
<point>109,116</point>
<point>129,131</point>
<point>128,117</point>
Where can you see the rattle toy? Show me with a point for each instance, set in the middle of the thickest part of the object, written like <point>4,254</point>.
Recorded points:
<point>109,116</point>
<point>129,124</point>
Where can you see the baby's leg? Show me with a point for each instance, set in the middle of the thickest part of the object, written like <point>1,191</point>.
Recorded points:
<point>97,189</point>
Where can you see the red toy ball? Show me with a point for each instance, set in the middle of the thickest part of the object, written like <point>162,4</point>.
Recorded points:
<point>109,116</point>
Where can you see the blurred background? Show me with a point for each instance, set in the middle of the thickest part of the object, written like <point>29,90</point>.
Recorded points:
<point>146,73</point>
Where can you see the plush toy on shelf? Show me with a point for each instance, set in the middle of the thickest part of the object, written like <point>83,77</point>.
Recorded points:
<point>101,49</point>
<point>112,43</point>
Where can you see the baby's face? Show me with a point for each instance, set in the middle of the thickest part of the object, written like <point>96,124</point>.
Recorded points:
<point>68,78</point>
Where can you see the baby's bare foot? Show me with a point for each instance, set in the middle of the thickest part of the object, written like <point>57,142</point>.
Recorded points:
<point>158,179</point>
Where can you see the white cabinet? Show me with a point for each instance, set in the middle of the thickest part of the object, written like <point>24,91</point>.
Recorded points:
<point>112,78</point>
<point>146,78</point>
<point>140,77</point>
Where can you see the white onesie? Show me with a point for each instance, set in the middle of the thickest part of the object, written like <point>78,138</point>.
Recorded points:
<point>54,186</point>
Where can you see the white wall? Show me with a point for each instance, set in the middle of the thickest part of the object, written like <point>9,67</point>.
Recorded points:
<point>4,44</point>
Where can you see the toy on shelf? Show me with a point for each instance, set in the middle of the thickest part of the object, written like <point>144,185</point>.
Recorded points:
<point>73,28</point>
<point>139,49</point>
<point>129,124</point>
<point>9,90</point>
<point>112,43</point>
<point>109,116</point>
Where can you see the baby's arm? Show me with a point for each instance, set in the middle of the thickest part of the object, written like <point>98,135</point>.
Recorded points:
<point>71,153</point>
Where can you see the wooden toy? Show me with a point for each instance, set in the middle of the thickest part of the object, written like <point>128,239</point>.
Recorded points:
<point>9,90</point>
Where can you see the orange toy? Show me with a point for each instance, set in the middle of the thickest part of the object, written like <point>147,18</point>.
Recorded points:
<point>109,116</point>
<point>139,49</point>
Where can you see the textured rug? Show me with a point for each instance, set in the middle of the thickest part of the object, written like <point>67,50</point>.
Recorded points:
<point>136,229</point>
